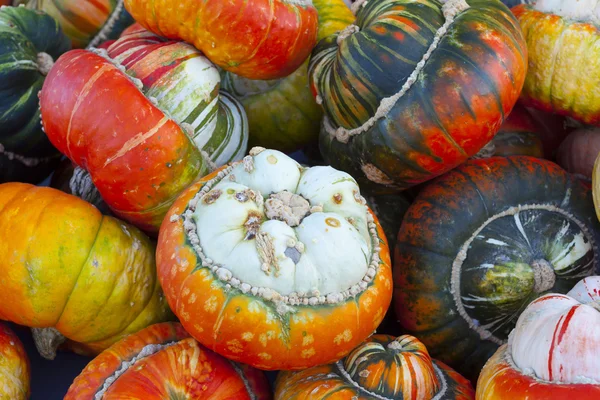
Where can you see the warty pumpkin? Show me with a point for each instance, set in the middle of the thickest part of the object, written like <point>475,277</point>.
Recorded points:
<point>162,361</point>
<point>415,88</point>
<point>275,265</point>
<point>257,39</point>
<point>30,41</point>
<point>564,73</point>
<point>72,273</point>
<point>381,368</point>
<point>162,97</point>
<point>553,351</point>
<point>282,113</point>
<point>15,366</point>
<point>480,243</point>
<point>85,22</point>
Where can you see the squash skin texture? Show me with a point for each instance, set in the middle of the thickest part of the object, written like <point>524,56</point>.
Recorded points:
<point>564,72</point>
<point>184,368</point>
<point>16,370</point>
<point>89,276</point>
<point>249,329</point>
<point>257,39</point>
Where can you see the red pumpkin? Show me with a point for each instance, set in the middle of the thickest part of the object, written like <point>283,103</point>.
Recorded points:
<point>14,366</point>
<point>578,152</point>
<point>164,362</point>
<point>257,39</point>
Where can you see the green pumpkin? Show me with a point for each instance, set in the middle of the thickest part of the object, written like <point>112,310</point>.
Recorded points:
<point>30,41</point>
<point>282,113</point>
<point>390,210</point>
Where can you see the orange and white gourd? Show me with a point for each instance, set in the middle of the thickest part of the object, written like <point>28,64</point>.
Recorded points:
<point>553,352</point>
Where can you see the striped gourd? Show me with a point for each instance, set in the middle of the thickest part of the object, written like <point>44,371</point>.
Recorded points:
<point>282,113</point>
<point>85,22</point>
<point>383,367</point>
<point>29,44</point>
<point>415,88</point>
<point>185,84</point>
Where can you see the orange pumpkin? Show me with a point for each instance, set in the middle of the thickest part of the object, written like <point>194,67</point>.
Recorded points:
<point>162,361</point>
<point>14,364</point>
<point>275,265</point>
<point>66,267</point>
<point>383,367</point>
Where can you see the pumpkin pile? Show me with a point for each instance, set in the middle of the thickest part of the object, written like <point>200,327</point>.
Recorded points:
<point>300,199</point>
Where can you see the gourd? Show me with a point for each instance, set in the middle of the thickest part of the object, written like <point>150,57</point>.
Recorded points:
<point>563,70</point>
<point>415,88</point>
<point>390,210</point>
<point>482,242</point>
<point>14,363</point>
<point>29,42</point>
<point>257,39</point>
<point>383,367</point>
<point>162,361</point>
<point>282,113</point>
<point>275,265</point>
<point>163,99</point>
<point>577,153</point>
<point>85,22</point>
<point>71,273</point>
<point>552,352</point>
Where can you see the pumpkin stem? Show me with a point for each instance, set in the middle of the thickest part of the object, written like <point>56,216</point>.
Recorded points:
<point>47,341</point>
<point>543,276</point>
<point>45,63</point>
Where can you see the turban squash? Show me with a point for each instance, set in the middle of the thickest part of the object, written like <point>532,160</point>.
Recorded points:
<point>85,22</point>
<point>15,367</point>
<point>30,41</point>
<point>553,351</point>
<point>162,97</point>
<point>383,367</point>
<point>282,113</point>
<point>257,39</point>
<point>480,243</point>
<point>66,267</point>
<point>564,71</point>
<point>415,88</point>
<point>162,361</point>
<point>275,265</point>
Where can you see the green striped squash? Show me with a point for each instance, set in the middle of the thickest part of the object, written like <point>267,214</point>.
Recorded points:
<point>282,113</point>
<point>416,87</point>
<point>29,42</point>
<point>85,22</point>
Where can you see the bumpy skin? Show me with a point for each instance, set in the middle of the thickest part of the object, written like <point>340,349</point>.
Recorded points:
<point>91,277</point>
<point>563,71</point>
<point>248,328</point>
<point>460,98</point>
<point>257,39</point>
<point>374,370</point>
<point>283,114</point>
<point>14,364</point>
<point>85,22</point>
<point>139,172</point>
<point>184,369</point>
<point>496,280</point>
<point>23,35</point>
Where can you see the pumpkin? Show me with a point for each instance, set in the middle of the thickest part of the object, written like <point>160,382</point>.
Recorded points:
<point>563,69</point>
<point>85,22</point>
<point>256,39</point>
<point>162,361</point>
<point>72,273</point>
<point>275,265</point>
<point>415,88</point>
<point>383,367</point>
<point>480,243</point>
<point>390,209</point>
<point>553,130</point>
<point>596,186</point>
<point>282,113</point>
<point>14,363</point>
<point>577,153</point>
<point>29,42</point>
<point>518,136</point>
<point>174,124</point>
<point>553,351</point>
